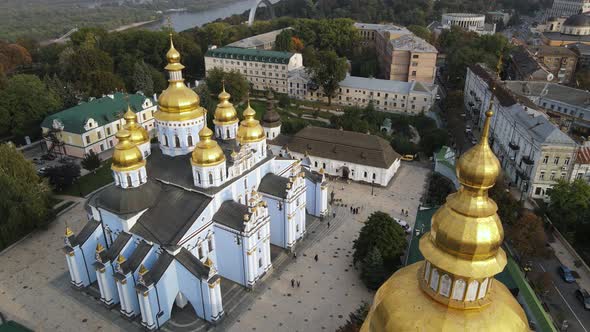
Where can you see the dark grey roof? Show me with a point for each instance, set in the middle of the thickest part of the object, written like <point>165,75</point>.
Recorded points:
<point>122,201</point>
<point>133,262</point>
<point>343,145</point>
<point>280,140</point>
<point>526,65</point>
<point>579,20</point>
<point>167,221</point>
<point>160,266</point>
<point>556,35</point>
<point>312,176</point>
<point>116,247</point>
<point>85,233</point>
<point>275,185</point>
<point>502,94</point>
<point>231,214</point>
<point>192,264</point>
<point>175,170</point>
<point>546,50</point>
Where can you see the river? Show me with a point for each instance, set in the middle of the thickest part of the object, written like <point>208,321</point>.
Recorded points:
<point>186,20</point>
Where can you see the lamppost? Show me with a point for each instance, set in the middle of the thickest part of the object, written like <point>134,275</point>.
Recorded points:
<point>527,268</point>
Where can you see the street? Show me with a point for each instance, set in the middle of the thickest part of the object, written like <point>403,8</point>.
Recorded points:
<point>561,300</point>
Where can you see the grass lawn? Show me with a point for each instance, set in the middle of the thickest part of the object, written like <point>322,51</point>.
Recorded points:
<point>91,181</point>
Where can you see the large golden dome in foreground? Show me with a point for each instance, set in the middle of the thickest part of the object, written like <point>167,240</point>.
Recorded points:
<point>177,102</point>
<point>207,152</point>
<point>250,130</point>
<point>139,135</point>
<point>225,113</point>
<point>126,156</point>
<point>454,288</point>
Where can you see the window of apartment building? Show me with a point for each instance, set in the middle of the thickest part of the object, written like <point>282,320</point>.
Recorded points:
<point>559,108</point>
<point>413,107</point>
<point>414,64</point>
<point>566,161</point>
<point>545,159</point>
<point>544,104</point>
<point>556,160</point>
<point>118,126</point>
<point>387,95</point>
<point>111,144</point>
<point>108,131</point>
<point>538,191</point>
<point>413,73</point>
<point>102,147</point>
<point>99,134</point>
<point>562,176</point>
<point>324,166</point>
<point>365,174</point>
<point>414,98</point>
<point>552,177</point>
<point>87,139</point>
<point>579,176</point>
<point>403,105</point>
<point>347,90</point>
<point>542,176</point>
<point>378,94</point>
<point>415,56</point>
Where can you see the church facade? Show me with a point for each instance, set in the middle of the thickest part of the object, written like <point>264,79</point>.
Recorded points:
<point>202,205</point>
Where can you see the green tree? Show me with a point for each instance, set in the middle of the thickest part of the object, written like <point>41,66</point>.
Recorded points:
<point>508,207</point>
<point>382,232</point>
<point>570,206</point>
<point>439,187</point>
<point>91,161</point>
<point>23,104</point>
<point>421,31</point>
<point>61,177</point>
<point>64,90</point>
<point>24,198</point>
<point>235,83</point>
<point>284,41</point>
<point>373,274</point>
<point>583,79</point>
<point>142,78</point>
<point>355,319</point>
<point>328,72</point>
<point>102,83</point>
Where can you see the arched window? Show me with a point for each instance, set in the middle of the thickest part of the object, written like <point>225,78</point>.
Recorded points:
<point>227,132</point>
<point>434,280</point>
<point>165,140</point>
<point>210,178</point>
<point>198,178</point>
<point>427,271</point>
<point>459,289</point>
<point>177,141</point>
<point>129,180</point>
<point>483,288</point>
<point>445,285</point>
<point>472,290</point>
<point>221,174</point>
<point>190,140</point>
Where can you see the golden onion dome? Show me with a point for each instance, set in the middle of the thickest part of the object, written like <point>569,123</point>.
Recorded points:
<point>207,152</point>
<point>126,156</point>
<point>401,305</point>
<point>250,130</point>
<point>139,135</point>
<point>177,102</point>
<point>225,113</point>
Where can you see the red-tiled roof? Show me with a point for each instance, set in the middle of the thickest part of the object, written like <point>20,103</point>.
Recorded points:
<point>583,156</point>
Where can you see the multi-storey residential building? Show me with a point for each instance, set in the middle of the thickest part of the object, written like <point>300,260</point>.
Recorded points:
<point>533,152</point>
<point>569,107</point>
<point>543,63</point>
<point>263,69</point>
<point>265,41</point>
<point>91,126</point>
<point>581,169</point>
<point>405,57</point>
<point>369,31</point>
<point>569,7</point>
<point>583,53</point>
<point>386,95</point>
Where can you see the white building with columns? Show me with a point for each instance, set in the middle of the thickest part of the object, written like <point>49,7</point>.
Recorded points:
<point>199,207</point>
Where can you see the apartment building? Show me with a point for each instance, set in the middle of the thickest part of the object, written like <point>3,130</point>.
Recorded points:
<point>566,106</point>
<point>263,69</point>
<point>534,152</point>
<point>368,31</point>
<point>91,126</point>
<point>406,58</point>
<point>386,95</point>
<point>569,7</point>
<point>581,169</point>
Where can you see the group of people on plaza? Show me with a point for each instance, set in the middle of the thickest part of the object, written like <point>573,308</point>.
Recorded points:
<point>354,210</point>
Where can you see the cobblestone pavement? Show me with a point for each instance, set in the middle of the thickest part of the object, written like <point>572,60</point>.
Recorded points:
<point>35,289</point>
<point>330,288</point>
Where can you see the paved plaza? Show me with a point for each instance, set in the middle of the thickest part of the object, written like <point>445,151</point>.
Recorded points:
<point>35,290</point>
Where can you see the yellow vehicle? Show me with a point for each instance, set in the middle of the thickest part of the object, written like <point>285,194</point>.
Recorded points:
<point>408,157</point>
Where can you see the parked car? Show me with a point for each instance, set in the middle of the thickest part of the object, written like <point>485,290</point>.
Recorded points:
<point>584,297</point>
<point>404,225</point>
<point>566,274</point>
<point>408,157</point>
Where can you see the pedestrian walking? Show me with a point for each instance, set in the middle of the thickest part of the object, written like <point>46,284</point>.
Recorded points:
<point>298,283</point>
<point>292,283</point>
<point>333,214</point>
<point>328,224</point>
<point>294,255</point>
<point>351,209</point>
<point>316,257</point>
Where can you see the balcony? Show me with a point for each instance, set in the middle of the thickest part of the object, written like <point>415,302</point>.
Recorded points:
<point>528,160</point>
<point>513,146</point>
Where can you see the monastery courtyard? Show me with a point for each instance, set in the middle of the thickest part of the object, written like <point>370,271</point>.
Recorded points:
<point>35,289</point>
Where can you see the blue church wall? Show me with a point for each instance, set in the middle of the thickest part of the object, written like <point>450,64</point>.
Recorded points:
<point>231,263</point>
<point>110,283</point>
<point>86,257</point>
<point>310,199</point>
<point>195,290</point>
<point>277,221</point>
